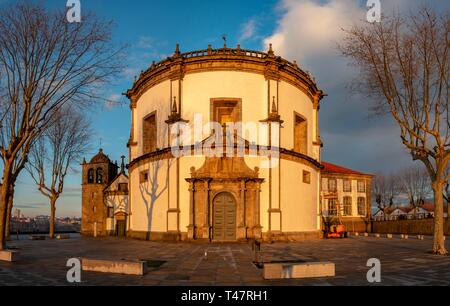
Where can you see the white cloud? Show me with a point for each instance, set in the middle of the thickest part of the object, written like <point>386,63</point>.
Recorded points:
<point>113,101</point>
<point>248,30</point>
<point>145,42</point>
<point>310,29</point>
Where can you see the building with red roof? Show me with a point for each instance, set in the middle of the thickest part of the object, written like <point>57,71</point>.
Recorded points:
<point>346,197</point>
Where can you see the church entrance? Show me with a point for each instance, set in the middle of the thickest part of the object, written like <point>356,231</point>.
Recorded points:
<point>224,217</point>
<point>121,228</point>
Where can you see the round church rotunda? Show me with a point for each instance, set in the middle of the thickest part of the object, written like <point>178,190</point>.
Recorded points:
<point>245,191</point>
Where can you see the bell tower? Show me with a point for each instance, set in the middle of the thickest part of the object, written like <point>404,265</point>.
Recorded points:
<point>96,176</point>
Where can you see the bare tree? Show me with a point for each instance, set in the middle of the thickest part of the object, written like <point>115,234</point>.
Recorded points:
<point>386,189</point>
<point>51,157</point>
<point>45,63</point>
<point>447,186</point>
<point>416,185</point>
<point>404,64</point>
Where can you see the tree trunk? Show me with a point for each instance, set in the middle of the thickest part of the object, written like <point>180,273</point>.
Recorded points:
<point>438,239</point>
<point>52,217</point>
<point>8,215</point>
<point>4,197</point>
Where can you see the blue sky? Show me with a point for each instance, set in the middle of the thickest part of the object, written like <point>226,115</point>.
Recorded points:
<point>302,30</point>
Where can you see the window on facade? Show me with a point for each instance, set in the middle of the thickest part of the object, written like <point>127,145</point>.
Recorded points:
<point>143,177</point>
<point>347,185</point>
<point>149,134</point>
<point>300,135</point>
<point>361,186</point>
<point>99,179</point>
<point>110,212</point>
<point>306,177</point>
<point>362,206</point>
<point>225,112</point>
<point>332,207</point>
<point>347,206</point>
<point>324,185</point>
<point>123,187</point>
<point>90,176</point>
<point>332,186</point>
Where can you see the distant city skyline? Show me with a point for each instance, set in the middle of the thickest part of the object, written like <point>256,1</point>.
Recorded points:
<point>305,30</point>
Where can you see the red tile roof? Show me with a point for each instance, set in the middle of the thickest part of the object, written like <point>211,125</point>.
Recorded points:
<point>338,169</point>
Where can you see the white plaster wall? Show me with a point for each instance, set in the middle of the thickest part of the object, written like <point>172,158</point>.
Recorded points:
<point>185,172</point>
<point>200,88</point>
<point>299,201</point>
<point>150,200</point>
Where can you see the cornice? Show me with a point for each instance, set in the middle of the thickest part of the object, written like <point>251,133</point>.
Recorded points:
<point>225,59</point>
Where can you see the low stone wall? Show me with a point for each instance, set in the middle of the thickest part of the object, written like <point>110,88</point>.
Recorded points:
<point>357,226</point>
<point>156,236</point>
<point>291,236</point>
<point>410,227</point>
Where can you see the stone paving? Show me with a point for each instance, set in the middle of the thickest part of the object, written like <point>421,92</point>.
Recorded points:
<point>404,262</point>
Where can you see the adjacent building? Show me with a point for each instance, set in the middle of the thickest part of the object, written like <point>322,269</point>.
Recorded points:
<point>346,197</point>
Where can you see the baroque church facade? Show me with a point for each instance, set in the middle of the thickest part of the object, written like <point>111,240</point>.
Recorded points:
<point>225,197</point>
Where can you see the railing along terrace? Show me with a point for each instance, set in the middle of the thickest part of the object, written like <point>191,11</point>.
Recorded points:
<point>238,51</point>
<point>230,51</point>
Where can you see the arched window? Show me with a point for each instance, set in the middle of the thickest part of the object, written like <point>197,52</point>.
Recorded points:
<point>90,178</point>
<point>99,176</point>
<point>347,206</point>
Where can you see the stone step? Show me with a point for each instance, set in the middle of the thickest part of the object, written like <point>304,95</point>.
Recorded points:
<point>115,266</point>
<point>9,256</point>
<point>36,237</point>
<point>63,236</point>
<point>299,270</point>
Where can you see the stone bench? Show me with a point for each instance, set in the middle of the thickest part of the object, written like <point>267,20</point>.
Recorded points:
<point>299,270</point>
<point>63,236</point>
<point>9,256</point>
<point>36,237</point>
<point>114,266</point>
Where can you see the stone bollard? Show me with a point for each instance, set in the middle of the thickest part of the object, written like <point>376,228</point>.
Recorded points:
<point>405,237</point>
<point>377,236</point>
<point>445,238</point>
<point>366,234</point>
<point>356,234</point>
<point>389,236</point>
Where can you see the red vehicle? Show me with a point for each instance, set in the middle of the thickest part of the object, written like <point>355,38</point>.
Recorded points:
<point>336,231</point>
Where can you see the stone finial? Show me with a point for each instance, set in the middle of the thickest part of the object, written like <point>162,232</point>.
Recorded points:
<point>84,161</point>
<point>224,37</point>
<point>174,106</point>
<point>271,53</point>
<point>122,166</point>
<point>209,49</point>
<point>274,106</point>
<point>177,50</point>
<point>239,47</point>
